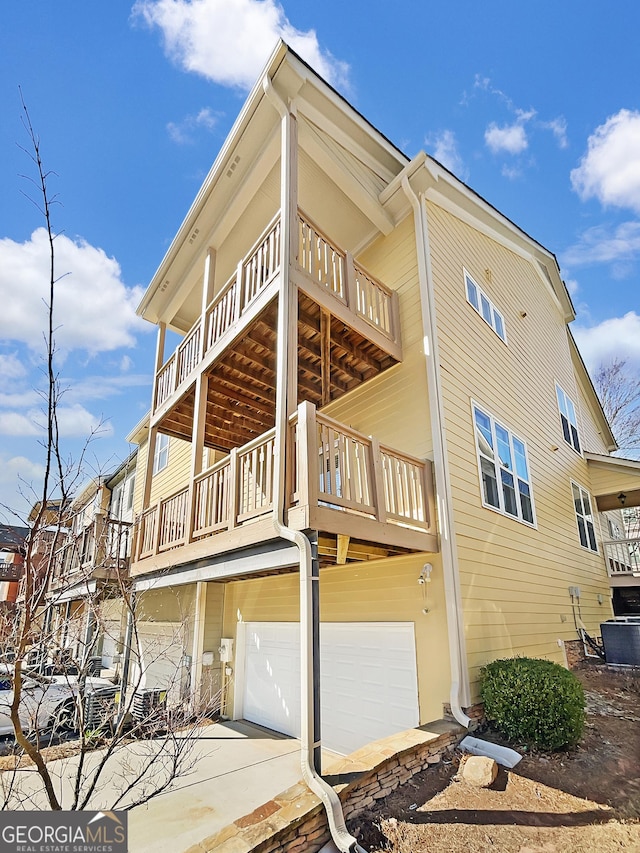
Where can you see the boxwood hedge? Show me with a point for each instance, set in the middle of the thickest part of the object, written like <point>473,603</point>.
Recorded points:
<point>534,701</point>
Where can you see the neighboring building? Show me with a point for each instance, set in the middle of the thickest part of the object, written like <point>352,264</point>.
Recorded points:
<point>378,359</point>
<point>85,608</point>
<point>12,548</point>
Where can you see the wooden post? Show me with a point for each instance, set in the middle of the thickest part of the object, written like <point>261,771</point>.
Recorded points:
<point>233,488</point>
<point>307,455</point>
<point>198,643</point>
<point>197,446</point>
<point>162,329</point>
<point>325,355</point>
<point>207,295</point>
<point>377,481</point>
<point>351,288</point>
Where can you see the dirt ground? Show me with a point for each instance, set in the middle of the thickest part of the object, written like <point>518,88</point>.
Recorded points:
<point>586,800</point>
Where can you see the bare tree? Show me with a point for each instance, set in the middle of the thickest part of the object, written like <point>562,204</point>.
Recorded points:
<point>618,387</point>
<point>132,751</point>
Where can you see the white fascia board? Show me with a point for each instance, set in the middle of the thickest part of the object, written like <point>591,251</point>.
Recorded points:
<point>80,590</point>
<point>139,428</point>
<point>631,466</point>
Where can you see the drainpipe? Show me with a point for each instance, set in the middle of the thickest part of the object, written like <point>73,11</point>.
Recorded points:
<point>457,653</point>
<point>309,575</point>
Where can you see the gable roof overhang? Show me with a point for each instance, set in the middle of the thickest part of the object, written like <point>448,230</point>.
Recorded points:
<point>351,152</point>
<point>615,482</point>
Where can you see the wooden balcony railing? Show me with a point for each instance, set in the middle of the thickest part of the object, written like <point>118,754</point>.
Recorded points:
<point>622,557</point>
<point>333,468</point>
<point>254,273</point>
<point>318,258</point>
<point>105,543</point>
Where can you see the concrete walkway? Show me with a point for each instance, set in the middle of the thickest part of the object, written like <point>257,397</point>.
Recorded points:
<point>240,767</point>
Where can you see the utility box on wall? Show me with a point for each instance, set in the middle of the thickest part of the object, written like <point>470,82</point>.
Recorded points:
<point>226,649</point>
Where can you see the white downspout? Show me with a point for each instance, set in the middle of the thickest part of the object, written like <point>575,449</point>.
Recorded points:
<point>455,628</point>
<point>343,840</point>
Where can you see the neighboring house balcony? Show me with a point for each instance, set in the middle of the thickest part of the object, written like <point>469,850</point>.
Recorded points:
<point>348,331</point>
<point>100,549</point>
<point>11,571</point>
<point>364,499</point>
<point>622,557</point>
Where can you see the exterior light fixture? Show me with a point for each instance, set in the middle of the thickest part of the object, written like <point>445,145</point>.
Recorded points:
<point>622,498</point>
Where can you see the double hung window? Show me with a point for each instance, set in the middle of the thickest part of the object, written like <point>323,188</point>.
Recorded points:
<point>485,307</point>
<point>161,454</point>
<point>504,468</point>
<point>584,517</point>
<point>568,419</point>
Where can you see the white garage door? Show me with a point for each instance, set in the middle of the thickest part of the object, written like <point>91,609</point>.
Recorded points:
<point>368,680</point>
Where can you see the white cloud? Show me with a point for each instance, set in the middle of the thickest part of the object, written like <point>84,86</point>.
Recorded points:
<point>229,41</point>
<point>601,245</point>
<point>616,337</point>
<point>11,367</point>
<point>183,132</point>
<point>445,151</point>
<point>572,286</point>
<point>17,475</point>
<point>94,310</point>
<point>557,126</point>
<point>74,421</point>
<point>610,170</point>
<point>511,138</point>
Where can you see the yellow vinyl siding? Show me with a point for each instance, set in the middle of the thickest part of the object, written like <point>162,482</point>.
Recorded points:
<point>606,481</point>
<point>514,578</point>
<point>394,405</point>
<point>176,475</point>
<point>380,591</point>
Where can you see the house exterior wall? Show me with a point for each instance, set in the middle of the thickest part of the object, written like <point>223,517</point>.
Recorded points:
<point>394,405</point>
<point>377,591</point>
<point>514,577</point>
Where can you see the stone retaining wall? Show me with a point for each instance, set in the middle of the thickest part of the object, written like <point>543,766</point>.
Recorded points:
<point>295,820</point>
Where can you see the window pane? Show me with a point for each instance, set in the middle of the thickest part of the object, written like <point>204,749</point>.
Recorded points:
<point>577,499</point>
<point>561,401</point>
<point>571,412</point>
<point>489,483</point>
<point>504,450</point>
<point>592,536</point>
<point>582,531</point>
<point>472,293</point>
<point>509,494</point>
<point>484,425</point>
<point>486,308</point>
<point>565,429</point>
<point>575,441</point>
<point>498,323</point>
<point>525,501</point>
<point>521,459</point>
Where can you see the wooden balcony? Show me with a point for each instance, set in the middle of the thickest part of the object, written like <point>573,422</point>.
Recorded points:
<point>348,331</point>
<point>100,549</point>
<point>365,499</point>
<point>11,571</point>
<point>622,557</point>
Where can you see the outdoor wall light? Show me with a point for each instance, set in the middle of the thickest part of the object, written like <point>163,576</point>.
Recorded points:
<point>425,574</point>
<point>622,498</point>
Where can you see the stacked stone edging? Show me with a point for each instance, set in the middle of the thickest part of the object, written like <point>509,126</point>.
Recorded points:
<point>296,821</point>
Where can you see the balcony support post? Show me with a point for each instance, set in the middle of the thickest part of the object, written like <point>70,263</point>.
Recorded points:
<point>207,296</point>
<point>351,288</point>
<point>197,447</point>
<point>325,355</point>
<point>162,330</point>
<point>198,644</point>
<point>378,498</point>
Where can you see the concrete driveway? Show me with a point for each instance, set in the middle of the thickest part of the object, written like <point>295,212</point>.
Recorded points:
<point>240,766</point>
<point>235,767</point>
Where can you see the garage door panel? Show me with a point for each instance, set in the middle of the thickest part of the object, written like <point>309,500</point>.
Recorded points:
<point>368,680</point>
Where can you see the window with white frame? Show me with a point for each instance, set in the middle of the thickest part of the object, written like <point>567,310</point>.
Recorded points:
<point>568,419</point>
<point>504,468</point>
<point>161,453</point>
<point>479,300</point>
<point>584,517</point>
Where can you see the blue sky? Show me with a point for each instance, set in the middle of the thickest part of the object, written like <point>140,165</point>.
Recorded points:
<point>536,106</point>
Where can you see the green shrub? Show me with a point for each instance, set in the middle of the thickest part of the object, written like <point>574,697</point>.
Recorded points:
<point>534,701</point>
